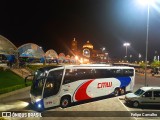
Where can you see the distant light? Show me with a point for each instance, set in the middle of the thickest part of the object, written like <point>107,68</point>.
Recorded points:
<point>76,57</point>
<point>103,48</point>
<point>86,52</point>
<point>146,2</point>
<point>36,73</point>
<point>126,44</point>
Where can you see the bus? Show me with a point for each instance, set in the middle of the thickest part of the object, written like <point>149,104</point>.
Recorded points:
<point>63,85</point>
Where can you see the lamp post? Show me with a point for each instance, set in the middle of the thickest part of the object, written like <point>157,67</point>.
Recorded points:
<point>103,53</point>
<point>147,44</point>
<point>126,45</point>
<point>148,2</point>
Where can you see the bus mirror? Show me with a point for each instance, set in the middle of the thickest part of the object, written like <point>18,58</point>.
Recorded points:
<point>28,79</point>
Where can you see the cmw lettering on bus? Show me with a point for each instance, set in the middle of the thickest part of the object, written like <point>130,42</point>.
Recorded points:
<point>104,84</point>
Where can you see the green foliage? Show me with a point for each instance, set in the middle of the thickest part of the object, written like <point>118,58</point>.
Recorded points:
<point>10,81</point>
<point>12,88</point>
<point>155,64</point>
<point>142,64</point>
<point>1,69</point>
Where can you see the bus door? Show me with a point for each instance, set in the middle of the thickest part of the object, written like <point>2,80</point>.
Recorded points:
<point>51,88</point>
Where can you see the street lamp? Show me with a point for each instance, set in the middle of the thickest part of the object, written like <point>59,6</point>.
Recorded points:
<point>126,45</point>
<point>103,53</point>
<point>148,2</point>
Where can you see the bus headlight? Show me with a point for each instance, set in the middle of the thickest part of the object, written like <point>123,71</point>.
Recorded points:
<point>39,105</point>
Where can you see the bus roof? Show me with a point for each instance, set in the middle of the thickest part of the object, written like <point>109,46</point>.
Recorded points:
<point>48,68</point>
<point>92,66</point>
<point>95,65</point>
<point>98,66</point>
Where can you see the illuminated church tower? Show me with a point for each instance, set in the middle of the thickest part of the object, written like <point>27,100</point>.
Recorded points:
<point>74,45</point>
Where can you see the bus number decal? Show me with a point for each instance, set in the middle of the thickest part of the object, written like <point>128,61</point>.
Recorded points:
<point>49,102</point>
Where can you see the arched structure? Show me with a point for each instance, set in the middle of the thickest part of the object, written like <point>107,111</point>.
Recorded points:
<point>68,57</point>
<point>6,46</point>
<point>88,45</point>
<point>72,59</point>
<point>51,54</point>
<point>31,50</point>
<point>61,57</point>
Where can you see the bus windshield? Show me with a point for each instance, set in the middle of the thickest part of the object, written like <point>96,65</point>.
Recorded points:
<point>38,83</point>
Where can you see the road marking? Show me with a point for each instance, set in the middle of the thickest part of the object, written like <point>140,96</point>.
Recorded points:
<point>126,107</point>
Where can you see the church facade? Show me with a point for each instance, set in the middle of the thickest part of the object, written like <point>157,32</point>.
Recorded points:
<point>87,53</point>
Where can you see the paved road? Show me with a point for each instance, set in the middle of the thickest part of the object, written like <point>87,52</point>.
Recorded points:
<point>20,102</point>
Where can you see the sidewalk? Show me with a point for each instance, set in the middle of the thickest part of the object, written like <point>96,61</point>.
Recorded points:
<point>2,96</point>
<point>149,74</point>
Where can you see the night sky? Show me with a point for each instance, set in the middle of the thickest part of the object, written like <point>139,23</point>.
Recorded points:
<point>105,23</point>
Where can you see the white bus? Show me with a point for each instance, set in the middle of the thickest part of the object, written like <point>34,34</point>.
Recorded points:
<point>62,85</point>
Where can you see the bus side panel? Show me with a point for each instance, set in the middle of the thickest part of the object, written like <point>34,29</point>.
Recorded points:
<point>51,101</point>
<point>102,87</point>
<point>87,89</point>
<point>95,88</point>
<point>70,88</point>
<point>131,85</point>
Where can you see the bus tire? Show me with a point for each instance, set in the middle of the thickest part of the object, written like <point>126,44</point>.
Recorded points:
<point>116,92</point>
<point>65,101</point>
<point>122,91</point>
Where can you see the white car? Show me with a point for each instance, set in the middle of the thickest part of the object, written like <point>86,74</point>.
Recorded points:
<point>144,95</point>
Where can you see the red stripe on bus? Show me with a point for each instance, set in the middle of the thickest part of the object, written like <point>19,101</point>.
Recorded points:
<point>81,93</point>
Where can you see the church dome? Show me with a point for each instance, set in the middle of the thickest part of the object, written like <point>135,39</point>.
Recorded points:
<point>88,45</point>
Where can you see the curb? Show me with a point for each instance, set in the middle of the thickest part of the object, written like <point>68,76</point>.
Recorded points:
<point>14,92</point>
<point>121,98</point>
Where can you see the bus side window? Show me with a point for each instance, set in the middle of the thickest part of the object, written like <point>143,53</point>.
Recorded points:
<point>69,75</point>
<point>53,83</point>
<point>83,74</point>
<point>117,72</point>
<point>77,74</point>
<point>128,72</point>
<point>49,87</point>
<point>103,73</point>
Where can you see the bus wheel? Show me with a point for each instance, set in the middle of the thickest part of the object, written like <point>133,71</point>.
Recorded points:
<point>65,102</point>
<point>122,92</point>
<point>116,92</point>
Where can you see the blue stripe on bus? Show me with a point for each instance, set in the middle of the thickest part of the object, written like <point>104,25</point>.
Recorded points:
<point>125,81</point>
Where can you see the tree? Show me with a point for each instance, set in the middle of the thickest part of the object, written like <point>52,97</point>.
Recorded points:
<point>155,64</point>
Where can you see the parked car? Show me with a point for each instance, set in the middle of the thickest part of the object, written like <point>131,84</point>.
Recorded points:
<point>144,96</point>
